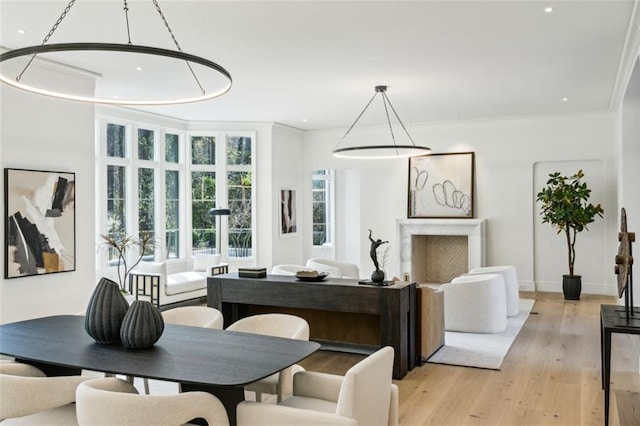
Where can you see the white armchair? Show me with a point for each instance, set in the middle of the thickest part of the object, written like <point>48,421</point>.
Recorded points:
<point>475,304</point>
<point>287,269</point>
<point>512,286</point>
<point>344,269</point>
<point>29,397</point>
<point>111,401</point>
<point>278,325</point>
<point>364,396</point>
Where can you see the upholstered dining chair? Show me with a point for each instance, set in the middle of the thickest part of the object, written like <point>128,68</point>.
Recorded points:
<point>287,269</point>
<point>112,401</point>
<point>193,316</point>
<point>29,397</point>
<point>345,269</point>
<point>277,325</point>
<point>364,396</point>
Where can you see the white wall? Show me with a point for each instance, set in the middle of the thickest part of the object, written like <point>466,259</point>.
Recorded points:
<point>49,134</point>
<point>287,173</point>
<point>506,152</point>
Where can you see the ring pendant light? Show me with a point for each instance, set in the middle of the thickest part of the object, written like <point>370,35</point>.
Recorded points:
<point>393,150</point>
<point>121,48</point>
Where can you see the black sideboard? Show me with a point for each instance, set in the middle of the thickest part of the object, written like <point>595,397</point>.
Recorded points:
<point>395,306</point>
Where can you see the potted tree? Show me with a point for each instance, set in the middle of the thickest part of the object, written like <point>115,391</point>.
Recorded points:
<point>565,206</point>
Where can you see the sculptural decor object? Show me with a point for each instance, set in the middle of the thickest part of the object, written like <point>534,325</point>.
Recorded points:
<point>377,277</point>
<point>105,312</point>
<point>142,326</point>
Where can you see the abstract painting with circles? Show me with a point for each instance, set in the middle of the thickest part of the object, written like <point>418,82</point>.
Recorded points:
<point>441,186</point>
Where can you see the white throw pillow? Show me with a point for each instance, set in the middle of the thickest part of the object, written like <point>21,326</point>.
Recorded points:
<point>204,262</point>
<point>159,268</point>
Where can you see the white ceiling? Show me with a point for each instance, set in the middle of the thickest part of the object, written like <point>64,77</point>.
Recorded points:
<point>314,64</point>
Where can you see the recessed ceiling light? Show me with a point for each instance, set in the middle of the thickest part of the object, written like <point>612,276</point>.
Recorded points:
<point>548,9</point>
<point>565,99</point>
<point>305,120</point>
<point>139,68</point>
<point>20,31</point>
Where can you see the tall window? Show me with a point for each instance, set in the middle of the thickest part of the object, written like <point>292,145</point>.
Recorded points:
<point>239,185</point>
<point>322,207</point>
<point>164,183</point>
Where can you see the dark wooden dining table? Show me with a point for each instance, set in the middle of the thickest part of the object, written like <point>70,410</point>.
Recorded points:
<point>216,361</point>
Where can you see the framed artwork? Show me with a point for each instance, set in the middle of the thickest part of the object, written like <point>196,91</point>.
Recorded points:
<point>441,186</point>
<point>40,222</point>
<point>288,216</point>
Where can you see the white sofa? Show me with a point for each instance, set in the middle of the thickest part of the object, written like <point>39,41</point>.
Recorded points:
<point>150,280</point>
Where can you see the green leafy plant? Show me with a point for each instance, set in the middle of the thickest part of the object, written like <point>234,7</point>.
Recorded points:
<point>565,205</point>
<point>120,244</point>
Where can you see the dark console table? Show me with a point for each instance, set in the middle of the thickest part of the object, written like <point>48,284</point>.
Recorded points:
<point>613,320</point>
<point>395,305</point>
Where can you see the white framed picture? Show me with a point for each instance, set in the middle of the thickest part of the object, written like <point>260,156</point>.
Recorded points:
<point>288,214</point>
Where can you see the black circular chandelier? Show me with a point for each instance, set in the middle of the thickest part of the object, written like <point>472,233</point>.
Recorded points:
<point>393,150</point>
<point>32,51</point>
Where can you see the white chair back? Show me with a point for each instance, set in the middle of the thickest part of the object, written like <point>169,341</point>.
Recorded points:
<point>287,269</point>
<point>277,325</point>
<point>194,316</point>
<point>111,401</point>
<point>346,269</point>
<point>366,389</point>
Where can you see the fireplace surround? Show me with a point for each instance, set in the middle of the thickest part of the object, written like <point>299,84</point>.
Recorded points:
<point>408,229</point>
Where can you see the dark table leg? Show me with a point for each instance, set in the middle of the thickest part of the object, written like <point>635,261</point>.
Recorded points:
<point>230,396</point>
<point>606,373</point>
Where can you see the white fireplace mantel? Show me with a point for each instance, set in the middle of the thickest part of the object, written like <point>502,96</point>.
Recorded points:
<point>474,229</point>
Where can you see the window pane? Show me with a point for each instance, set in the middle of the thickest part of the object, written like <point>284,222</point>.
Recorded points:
<point>172,212</point>
<point>116,206</point>
<point>146,212</point>
<point>203,195</point>
<point>203,150</point>
<point>146,141</point>
<point>172,148</point>
<point>320,208</point>
<point>240,187</point>
<point>238,150</point>
<point>115,140</point>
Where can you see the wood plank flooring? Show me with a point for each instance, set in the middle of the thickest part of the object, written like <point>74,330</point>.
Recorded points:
<point>551,375</point>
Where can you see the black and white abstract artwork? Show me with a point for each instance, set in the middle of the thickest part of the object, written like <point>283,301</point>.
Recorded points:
<point>288,219</point>
<point>441,186</point>
<point>40,222</point>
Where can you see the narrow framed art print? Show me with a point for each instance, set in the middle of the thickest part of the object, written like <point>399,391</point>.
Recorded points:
<point>40,222</point>
<point>288,214</point>
<point>441,186</point>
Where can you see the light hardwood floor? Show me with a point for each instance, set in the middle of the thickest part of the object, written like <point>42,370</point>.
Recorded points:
<point>551,375</point>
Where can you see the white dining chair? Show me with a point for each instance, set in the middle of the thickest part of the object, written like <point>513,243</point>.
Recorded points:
<point>193,316</point>
<point>29,397</point>
<point>344,269</point>
<point>278,325</point>
<point>364,396</point>
<point>113,402</point>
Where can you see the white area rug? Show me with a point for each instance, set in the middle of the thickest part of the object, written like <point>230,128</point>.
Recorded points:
<point>482,350</point>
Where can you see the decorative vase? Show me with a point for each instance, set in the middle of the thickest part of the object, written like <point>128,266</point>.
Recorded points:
<point>106,310</point>
<point>142,325</point>
<point>572,286</point>
<point>377,276</point>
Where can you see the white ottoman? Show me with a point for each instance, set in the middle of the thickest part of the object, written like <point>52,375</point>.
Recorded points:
<point>512,287</point>
<point>475,304</point>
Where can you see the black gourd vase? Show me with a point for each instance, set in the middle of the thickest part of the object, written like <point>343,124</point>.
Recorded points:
<point>142,325</point>
<point>106,310</point>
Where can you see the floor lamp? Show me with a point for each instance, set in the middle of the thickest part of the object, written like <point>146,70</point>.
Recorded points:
<point>217,213</point>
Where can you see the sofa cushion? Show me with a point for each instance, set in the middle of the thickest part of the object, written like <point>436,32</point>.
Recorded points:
<point>204,262</point>
<point>159,268</point>
<point>183,282</point>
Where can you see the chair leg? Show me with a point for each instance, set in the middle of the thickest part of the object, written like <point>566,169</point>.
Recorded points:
<point>146,386</point>
<point>258,396</point>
